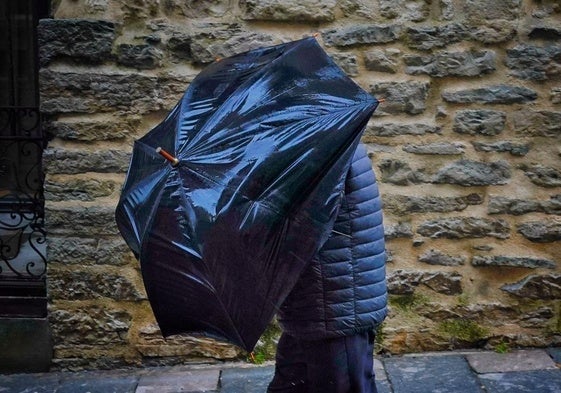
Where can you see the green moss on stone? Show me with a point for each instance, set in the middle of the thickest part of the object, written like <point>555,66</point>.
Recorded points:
<point>463,330</point>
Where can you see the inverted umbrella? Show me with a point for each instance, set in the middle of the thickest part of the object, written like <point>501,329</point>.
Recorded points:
<point>257,151</point>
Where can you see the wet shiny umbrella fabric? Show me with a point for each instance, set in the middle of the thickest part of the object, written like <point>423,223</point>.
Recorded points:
<point>264,140</point>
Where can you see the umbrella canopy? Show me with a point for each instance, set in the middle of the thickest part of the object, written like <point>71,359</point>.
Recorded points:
<point>261,143</point>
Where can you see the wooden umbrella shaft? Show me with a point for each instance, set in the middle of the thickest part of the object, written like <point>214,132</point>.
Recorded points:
<point>173,160</point>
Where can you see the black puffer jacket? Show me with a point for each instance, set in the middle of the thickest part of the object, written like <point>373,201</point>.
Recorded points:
<point>343,290</point>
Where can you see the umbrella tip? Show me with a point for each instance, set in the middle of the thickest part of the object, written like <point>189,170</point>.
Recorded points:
<point>315,35</point>
<point>173,160</point>
<point>381,100</point>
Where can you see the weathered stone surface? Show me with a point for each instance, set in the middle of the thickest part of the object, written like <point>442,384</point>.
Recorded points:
<point>152,344</point>
<point>86,285</point>
<point>79,220</point>
<point>516,149</point>
<point>503,205</point>
<point>537,318</point>
<point>59,160</point>
<point>362,34</point>
<point>544,231</point>
<point>87,41</point>
<point>399,173</point>
<point>404,282</point>
<point>395,129</point>
<point>405,204</point>
<point>536,123</point>
<point>402,97</point>
<point>90,130</point>
<point>497,94</point>
<point>348,62</point>
<point>289,10</point>
<point>437,148</point>
<point>89,92</point>
<point>478,10</point>
<point>364,9</point>
<point>541,175</point>
<point>142,57</point>
<point>198,9</point>
<point>436,257</point>
<point>382,60</point>
<point>400,230</point>
<point>488,314</point>
<point>430,37</point>
<point>482,122</point>
<point>78,189</point>
<point>510,261</point>
<point>464,227</point>
<point>416,10</point>
<point>473,173</point>
<point>541,287</point>
<point>493,32</point>
<point>217,40</point>
<point>86,251</point>
<point>89,326</point>
<point>443,282</point>
<point>555,95</point>
<point>443,64</point>
<point>533,62</point>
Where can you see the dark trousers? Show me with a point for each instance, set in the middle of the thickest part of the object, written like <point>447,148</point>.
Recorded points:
<point>338,365</point>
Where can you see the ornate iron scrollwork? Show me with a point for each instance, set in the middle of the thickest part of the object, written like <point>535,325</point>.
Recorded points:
<point>22,233</point>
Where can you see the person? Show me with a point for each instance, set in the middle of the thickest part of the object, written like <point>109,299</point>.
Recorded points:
<point>329,319</point>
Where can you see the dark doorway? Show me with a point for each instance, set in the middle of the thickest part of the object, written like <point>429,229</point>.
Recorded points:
<point>22,235</point>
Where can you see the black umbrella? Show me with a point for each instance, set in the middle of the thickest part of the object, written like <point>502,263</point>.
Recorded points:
<point>258,146</point>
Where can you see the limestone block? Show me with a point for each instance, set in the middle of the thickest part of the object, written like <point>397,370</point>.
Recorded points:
<point>382,60</point>
<point>437,257</point>
<point>402,97</point>
<point>86,41</point>
<point>361,35</point>
<point>464,227</point>
<point>546,286</point>
<point>515,206</point>
<point>543,231</point>
<point>480,121</point>
<point>541,175</point>
<point>142,57</point>
<point>534,62</point>
<point>397,129</point>
<point>72,161</point>
<point>416,10</point>
<point>536,123</point>
<point>474,173</point>
<point>437,148</point>
<point>430,37</point>
<point>512,261</point>
<point>289,10</point>
<point>408,204</point>
<point>76,220</point>
<point>87,251</point>
<point>445,64</point>
<point>516,149</point>
<point>399,173</point>
<point>497,94</point>
<point>95,325</point>
<point>77,188</point>
<point>85,285</point>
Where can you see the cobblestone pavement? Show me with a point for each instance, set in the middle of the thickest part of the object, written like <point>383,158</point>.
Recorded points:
<point>519,371</point>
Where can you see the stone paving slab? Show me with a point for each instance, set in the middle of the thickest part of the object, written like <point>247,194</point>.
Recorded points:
<point>98,382</point>
<point>178,380</point>
<point>431,374</point>
<point>246,380</point>
<point>29,383</point>
<point>521,360</point>
<point>542,381</point>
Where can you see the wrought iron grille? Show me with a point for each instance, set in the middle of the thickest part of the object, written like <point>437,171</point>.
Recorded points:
<point>23,263</point>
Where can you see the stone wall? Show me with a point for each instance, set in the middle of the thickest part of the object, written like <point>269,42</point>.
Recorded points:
<point>466,148</point>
